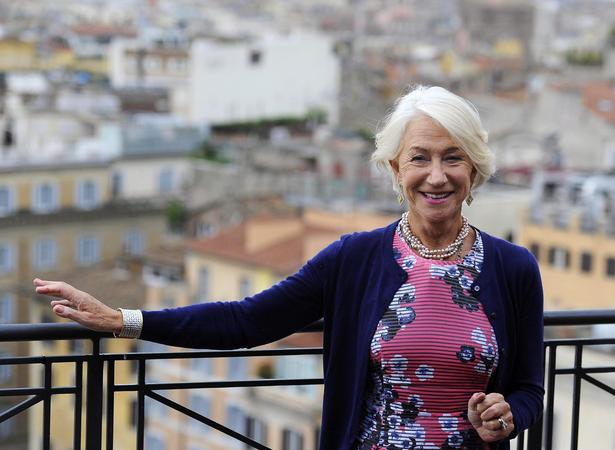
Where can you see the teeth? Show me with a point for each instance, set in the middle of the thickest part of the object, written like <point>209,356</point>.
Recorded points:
<point>436,195</point>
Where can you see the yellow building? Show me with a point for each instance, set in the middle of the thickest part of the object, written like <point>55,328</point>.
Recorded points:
<point>233,264</point>
<point>570,228</point>
<point>577,266</point>
<point>16,54</point>
<point>56,221</point>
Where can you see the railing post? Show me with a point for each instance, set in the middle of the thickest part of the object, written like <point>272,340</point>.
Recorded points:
<point>94,395</point>
<point>534,436</point>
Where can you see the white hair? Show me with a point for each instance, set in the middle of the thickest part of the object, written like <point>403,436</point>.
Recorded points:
<point>455,114</point>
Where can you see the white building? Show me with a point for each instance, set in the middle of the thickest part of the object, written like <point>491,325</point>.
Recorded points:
<point>269,77</point>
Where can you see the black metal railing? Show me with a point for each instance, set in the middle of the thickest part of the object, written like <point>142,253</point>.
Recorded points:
<point>539,436</point>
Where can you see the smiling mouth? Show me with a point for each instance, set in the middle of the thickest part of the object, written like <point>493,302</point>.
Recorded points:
<point>437,196</point>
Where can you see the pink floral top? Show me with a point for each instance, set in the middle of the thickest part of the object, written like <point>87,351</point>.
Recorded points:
<point>433,348</point>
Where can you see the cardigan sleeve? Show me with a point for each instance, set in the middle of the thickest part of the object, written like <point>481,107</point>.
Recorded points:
<point>279,311</point>
<point>527,380</point>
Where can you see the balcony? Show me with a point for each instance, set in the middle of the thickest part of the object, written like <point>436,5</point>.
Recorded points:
<point>94,392</point>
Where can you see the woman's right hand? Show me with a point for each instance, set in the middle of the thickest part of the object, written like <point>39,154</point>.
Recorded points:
<point>80,306</point>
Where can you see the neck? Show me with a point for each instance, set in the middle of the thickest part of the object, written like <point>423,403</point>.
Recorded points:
<point>434,234</point>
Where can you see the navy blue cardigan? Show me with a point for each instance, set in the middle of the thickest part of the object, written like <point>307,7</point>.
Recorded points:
<point>350,284</point>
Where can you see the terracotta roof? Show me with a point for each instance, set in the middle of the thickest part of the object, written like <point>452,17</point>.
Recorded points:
<point>294,247</point>
<point>284,257</point>
<point>103,30</point>
<point>599,98</point>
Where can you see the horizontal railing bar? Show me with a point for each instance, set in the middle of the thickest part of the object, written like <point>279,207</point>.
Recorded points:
<point>20,407</point>
<point>49,331</point>
<point>14,392</point>
<point>220,384</point>
<point>576,341</point>
<point>571,370</point>
<point>16,360</point>
<point>579,317</point>
<point>212,354</point>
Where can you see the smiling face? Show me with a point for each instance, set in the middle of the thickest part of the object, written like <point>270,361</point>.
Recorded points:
<point>435,174</point>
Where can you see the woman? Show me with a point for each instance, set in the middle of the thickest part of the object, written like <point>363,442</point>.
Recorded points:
<point>432,328</point>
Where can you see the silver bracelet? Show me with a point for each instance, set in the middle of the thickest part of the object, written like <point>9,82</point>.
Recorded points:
<point>132,323</point>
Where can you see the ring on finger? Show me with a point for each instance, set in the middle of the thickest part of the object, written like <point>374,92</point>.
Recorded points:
<point>503,423</point>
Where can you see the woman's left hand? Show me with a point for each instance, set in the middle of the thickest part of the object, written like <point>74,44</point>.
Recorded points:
<point>485,412</point>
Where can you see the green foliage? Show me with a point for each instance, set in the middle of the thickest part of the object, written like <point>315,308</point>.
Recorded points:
<point>262,127</point>
<point>177,215</point>
<point>584,57</point>
<point>209,152</point>
<point>316,116</point>
<point>365,134</point>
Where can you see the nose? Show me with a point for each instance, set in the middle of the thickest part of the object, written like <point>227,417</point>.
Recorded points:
<point>436,177</point>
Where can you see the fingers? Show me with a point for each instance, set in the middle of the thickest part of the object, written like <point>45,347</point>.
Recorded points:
<point>496,410</point>
<point>488,401</point>
<point>62,302</point>
<point>56,289</point>
<point>485,412</point>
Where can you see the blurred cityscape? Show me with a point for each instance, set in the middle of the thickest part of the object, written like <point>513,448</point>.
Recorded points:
<point>158,153</point>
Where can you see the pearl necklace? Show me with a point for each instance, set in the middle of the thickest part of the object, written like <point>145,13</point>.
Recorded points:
<point>433,253</point>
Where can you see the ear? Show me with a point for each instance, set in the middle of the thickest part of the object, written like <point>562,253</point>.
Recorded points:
<point>473,176</point>
<point>395,166</point>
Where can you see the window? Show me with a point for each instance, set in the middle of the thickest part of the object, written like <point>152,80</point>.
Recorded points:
<point>202,405</point>
<point>236,419</point>
<point>45,198</point>
<point>291,440</point>
<point>134,242</point>
<point>586,262</point>
<point>7,201</point>
<point>7,258</point>
<point>87,251</point>
<point>237,368</point>
<point>559,257</point>
<point>245,287</point>
<point>45,254</point>
<point>535,249</point>
<point>117,184</point>
<point>203,287</point>
<point>86,195</point>
<point>204,229</point>
<point>610,267</point>
<point>256,57</point>
<point>166,181</point>
<point>257,430</point>
<point>7,306</point>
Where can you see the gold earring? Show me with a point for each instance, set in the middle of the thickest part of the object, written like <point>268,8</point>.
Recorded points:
<point>469,199</point>
<point>401,198</point>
